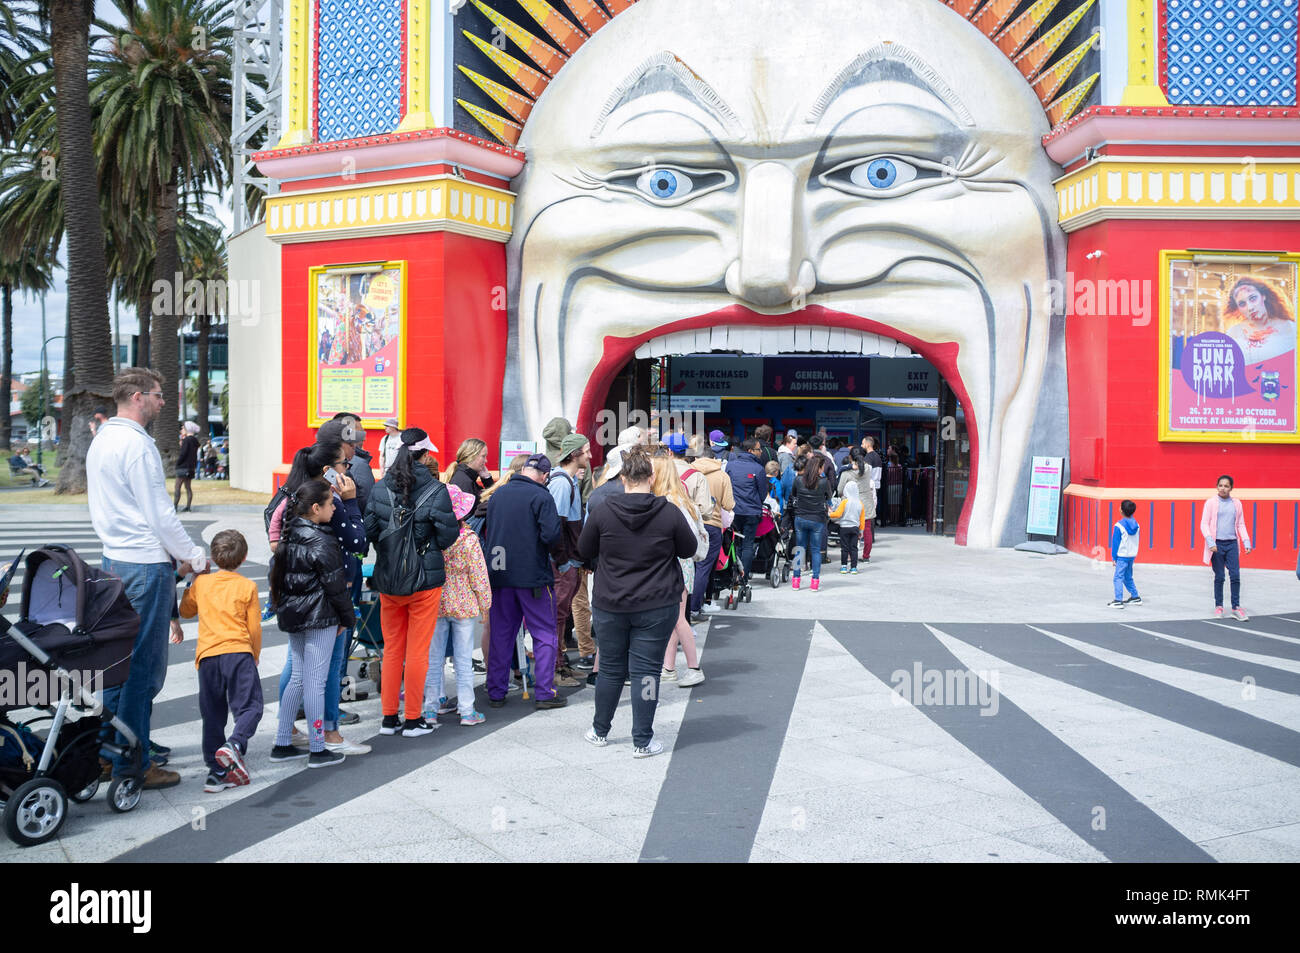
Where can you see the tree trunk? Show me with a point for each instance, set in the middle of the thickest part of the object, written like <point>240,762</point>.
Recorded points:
<point>7,365</point>
<point>69,385</point>
<point>142,312</point>
<point>163,346</point>
<point>79,188</point>
<point>204,394</point>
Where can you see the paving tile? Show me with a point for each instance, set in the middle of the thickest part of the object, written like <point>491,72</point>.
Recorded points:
<point>557,843</point>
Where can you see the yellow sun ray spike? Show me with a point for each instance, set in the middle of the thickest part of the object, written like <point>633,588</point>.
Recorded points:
<point>1032,61</point>
<point>994,15</point>
<point>1054,77</point>
<point>527,78</point>
<point>589,14</point>
<point>548,59</point>
<point>1010,40</point>
<point>505,130</point>
<point>1063,108</point>
<point>556,24</point>
<point>512,102</point>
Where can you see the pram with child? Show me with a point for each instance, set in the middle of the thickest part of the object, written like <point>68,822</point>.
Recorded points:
<point>772,555</point>
<point>75,633</point>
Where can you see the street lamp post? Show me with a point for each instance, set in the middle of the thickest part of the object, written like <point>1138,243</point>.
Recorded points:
<point>43,384</point>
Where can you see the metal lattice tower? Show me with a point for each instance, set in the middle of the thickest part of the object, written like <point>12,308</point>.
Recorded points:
<point>256,95</point>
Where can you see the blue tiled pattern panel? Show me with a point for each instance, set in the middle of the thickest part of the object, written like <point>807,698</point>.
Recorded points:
<point>359,64</point>
<point>1231,52</point>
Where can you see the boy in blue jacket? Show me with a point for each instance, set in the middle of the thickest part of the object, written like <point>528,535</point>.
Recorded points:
<point>1123,550</point>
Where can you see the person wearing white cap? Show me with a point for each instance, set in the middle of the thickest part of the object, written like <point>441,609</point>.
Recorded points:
<point>389,444</point>
<point>187,463</point>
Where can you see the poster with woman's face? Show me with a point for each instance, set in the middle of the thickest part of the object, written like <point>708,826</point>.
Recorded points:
<point>1230,348</point>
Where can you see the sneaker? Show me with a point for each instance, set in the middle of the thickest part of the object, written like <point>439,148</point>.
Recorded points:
<point>566,681</point>
<point>216,783</point>
<point>591,679</point>
<point>391,725</point>
<point>479,668</point>
<point>348,718</point>
<point>853,571</point>
<point>473,718</point>
<point>156,778</point>
<point>668,675</point>
<point>794,582</point>
<point>844,570</point>
<point>710,608</point>
<point>324,759</point>
<point>514,687</point>
<point>816,583</point>
<point>496,703</point>
<point>1115,604</point>
<point>347,747</point>
<point>287,753</point>
<point>417,728</point>
<point>1240,614</point>
<point>594,739</point>
<point>157,751</point>
<point>699,617</point>
<point>693,676</point>
<point>586,662</point>
<point>299,740</point>
<point>230,758</point>
<point>555,701</point>
<point>1218,612</point>
<point>1134,601</point>
<point>649,751</point>
<point>445,707</point>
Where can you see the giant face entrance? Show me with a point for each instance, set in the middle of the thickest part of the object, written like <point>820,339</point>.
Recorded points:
<point>892,395</point>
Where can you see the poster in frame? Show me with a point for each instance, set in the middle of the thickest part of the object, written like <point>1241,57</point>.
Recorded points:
<point>1229,361</point>
<point>356,342</point>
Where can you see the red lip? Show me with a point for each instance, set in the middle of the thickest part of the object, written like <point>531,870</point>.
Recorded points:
<point>618,351</point>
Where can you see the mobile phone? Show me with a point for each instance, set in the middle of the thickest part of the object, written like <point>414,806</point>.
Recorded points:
<point>332,477</point>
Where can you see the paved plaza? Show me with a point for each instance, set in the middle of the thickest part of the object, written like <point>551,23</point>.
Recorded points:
<point>944,705</point>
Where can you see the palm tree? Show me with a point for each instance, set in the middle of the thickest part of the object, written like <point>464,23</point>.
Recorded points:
<point>163,87</point>
<point>203,257</point>
<point>29,273</point>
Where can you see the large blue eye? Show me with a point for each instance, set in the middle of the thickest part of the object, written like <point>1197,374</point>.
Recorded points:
<point>882,174</point>
<point>665,184</point>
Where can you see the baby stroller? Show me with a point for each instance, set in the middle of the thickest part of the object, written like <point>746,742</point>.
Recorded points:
<point>76,626</point>
<point>729,574</point>
<point>772,549</point>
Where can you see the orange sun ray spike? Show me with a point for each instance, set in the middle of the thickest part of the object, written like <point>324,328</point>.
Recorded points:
<point>1010,40</point>
<point>1032,61</point>
<point>527,78</point>
<point>1063,108</point>
<point>548,59</point>
<point>1054,77</point>
<point>563,32</point>
<point>994,15</point>
<point>618,6</point>
<point>512,102</point>
<point>589,14</point>
<point>966,8</point>
<point>505,130</point>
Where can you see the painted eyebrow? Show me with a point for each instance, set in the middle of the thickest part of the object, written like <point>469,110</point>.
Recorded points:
<point>891,62</point>
<point>664,72</point>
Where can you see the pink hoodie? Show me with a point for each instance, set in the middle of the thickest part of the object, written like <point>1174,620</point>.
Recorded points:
<point>1210,523</point>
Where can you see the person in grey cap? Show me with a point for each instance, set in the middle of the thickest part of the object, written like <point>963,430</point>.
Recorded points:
<point>389,444</point>
<point>347,428</point>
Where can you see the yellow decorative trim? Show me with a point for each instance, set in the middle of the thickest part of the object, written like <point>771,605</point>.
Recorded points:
<point>1135,187</point>
<point>1143,87</point>
<point>1166,434</point>
<point>437,203</point>
<point>297,83</point>
<point>418,114</point>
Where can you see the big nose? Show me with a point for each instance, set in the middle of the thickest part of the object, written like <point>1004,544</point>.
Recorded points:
<point>770,269</point>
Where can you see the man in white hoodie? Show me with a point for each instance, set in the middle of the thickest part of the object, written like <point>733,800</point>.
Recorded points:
<point>135,521</point>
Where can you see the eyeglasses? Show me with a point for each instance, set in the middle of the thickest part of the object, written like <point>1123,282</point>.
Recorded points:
<point>158,394</point>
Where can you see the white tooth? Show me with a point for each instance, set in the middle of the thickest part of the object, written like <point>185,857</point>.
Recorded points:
<point>787,340</point>
<point>835,340</point>
<point>803,338</point>
<point>657,347</point>
<point>852,341</point>
<point>770,338</point>
<point>703,340</point>
<point>683,342</point>
<point>821,339</point>
<point>643,350</point>
<point>901,350</point>
<point>753,340</point>
<point>719,338</point>
<point>870,343</point>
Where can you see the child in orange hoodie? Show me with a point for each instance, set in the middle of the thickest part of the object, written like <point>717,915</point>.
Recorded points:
<point>230,643</point>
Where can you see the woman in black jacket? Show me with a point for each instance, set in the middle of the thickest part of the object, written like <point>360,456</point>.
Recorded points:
<point>469,472</point>
<point>638,538</point>
<point>409,594</point>
<point>809,497</point>
<point>309,587</point>
<point>187,464</point>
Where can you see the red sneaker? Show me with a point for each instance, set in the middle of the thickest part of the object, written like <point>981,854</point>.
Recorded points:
<point>1218,612</point>
<point>814,584</point>
<point>794,583</point>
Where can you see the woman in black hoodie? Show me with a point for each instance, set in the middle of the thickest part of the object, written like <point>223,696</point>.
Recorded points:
<point>637,538</point>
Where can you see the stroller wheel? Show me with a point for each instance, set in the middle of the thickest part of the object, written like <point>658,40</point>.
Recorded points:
<point>785,574</point>
<point>36,811</point>
<point>774,577</point>
<point>124,794</point>
<point>86,793</point>
<point>747,594</point>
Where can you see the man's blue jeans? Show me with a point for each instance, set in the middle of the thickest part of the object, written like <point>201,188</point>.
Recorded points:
<point>151,589</point>
<point>745,526</point>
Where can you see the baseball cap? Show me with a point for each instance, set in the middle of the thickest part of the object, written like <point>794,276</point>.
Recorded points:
<point>676,442</point>
<point>392,422</point>
<point>718,440</point>
<point>539,462</point>
<point>792,433</point>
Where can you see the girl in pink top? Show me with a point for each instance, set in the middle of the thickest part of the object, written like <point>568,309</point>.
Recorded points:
<point>466,597</point>
<point>1223,527</point>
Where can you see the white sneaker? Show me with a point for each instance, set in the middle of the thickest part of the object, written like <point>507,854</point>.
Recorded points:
<point>649,751</point>
<point>594,739</point>
<point>668,675</point>
<point>347,747</point>
<point>693,676</point>
<point>711,607</point>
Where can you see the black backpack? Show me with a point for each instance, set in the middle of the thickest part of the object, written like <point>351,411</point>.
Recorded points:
<point>276,499</point>
<point>399,563</point>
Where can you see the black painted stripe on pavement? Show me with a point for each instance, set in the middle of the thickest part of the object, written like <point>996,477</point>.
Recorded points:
<point>306,793</point>
<point>1039,653</point>
<point>1196,630</point>
<point>732,731</point>
<point>1283,625</point>
<point>1143,645</point>
<point>1058,778</point>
